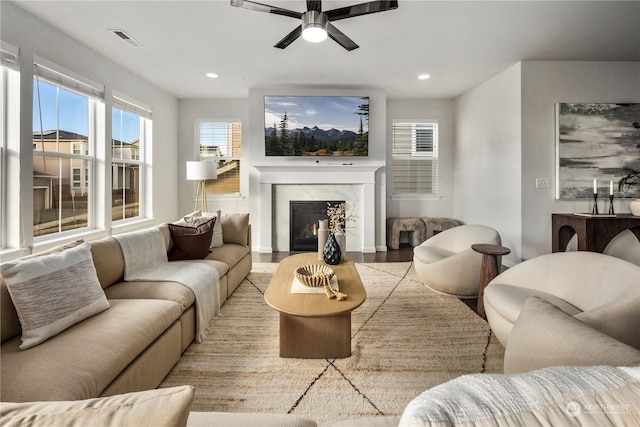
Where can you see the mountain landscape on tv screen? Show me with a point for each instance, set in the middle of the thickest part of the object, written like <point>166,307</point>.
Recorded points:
<point>316,142</point>
<point>289,134</point>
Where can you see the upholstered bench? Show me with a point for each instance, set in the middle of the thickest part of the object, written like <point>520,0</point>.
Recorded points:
<point>415,226</point>
<point>435,225</point>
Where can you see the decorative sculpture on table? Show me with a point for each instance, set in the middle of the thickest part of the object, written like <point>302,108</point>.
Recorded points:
<point>338,218</point>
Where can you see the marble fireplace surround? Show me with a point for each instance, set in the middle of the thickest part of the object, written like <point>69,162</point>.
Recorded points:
<point>356,184</point>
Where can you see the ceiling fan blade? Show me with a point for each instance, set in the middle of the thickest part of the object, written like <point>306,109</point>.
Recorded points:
<point>289,38</point>
<point>314,5</point>
<point>252,5</point>
<point>361,9</point>
<point>340,38</point>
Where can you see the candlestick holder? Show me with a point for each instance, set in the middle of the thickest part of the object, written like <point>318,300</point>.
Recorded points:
<point>611,212</point>
<point>594,210</point>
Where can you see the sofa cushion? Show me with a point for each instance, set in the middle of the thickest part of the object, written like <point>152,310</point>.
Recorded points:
<point>508,300</point>
<point>254,419</point>
<point>555,396</point>
<point>545,336</point>
<point>198,217</point>
<point>235,228</point>
<point>103,345</point>
<point>53,292</point>
<point>230,254</point>
<point>168,291</point>
<point>190,242</point>
<point>370,421</point>
<point>619,318</point>
<point>108,260</point>
<point>165,406</point>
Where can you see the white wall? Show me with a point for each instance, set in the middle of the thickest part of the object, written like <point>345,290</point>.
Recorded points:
<point>441,110</point>
<point>487,171</point>
<point>543,84</point>
<point>35,37</point>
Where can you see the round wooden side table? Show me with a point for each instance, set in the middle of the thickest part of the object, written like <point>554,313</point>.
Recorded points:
<point>491,266</point>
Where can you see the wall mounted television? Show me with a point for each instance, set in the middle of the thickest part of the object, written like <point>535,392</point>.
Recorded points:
<point>316,126</point>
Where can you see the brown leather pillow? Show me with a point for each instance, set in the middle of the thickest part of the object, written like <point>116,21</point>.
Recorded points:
<point>190,242</point>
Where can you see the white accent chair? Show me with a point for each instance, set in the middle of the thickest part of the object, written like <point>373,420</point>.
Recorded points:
<point>446,263</point>
<point>599,290</point>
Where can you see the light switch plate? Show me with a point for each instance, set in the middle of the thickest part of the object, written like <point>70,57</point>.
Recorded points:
<point>543,183</point>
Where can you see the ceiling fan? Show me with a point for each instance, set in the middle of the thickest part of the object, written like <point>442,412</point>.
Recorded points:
<point>316,24</point>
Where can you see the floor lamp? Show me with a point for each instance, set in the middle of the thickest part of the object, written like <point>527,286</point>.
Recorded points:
<point>201,172</point>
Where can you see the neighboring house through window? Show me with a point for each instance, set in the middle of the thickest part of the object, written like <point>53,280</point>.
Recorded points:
<point>221,142</point>
<point>64,123</point>
<point>129,138</point>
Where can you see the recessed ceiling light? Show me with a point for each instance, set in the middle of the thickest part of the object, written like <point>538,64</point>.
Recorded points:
<point>424,76</point>
<point>212,75</point>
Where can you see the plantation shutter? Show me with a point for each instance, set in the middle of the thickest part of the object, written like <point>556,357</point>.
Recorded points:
<point>221,142</point>
<point>415,157</point>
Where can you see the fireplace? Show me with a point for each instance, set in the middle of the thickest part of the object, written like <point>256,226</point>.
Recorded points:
<point>355,184</point>
<point>303,222</point>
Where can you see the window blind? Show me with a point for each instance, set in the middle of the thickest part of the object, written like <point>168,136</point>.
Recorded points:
<point>9,56</point>
<point>125,103</point>
<point>415,157</point>
<point>55,74</point>
<point>221,142</point>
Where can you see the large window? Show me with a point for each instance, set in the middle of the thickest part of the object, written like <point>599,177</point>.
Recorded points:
<point>64,123</point>
<point>129,126</point>
<point>415,157</point>
<point>221,142</point>
<point>9,131</point>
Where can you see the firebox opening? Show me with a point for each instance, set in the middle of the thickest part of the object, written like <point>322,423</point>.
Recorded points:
<point>303,222</point>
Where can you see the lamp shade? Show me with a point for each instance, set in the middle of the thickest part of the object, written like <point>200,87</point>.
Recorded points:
<point>201,171</point>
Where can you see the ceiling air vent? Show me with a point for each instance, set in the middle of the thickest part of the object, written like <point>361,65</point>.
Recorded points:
<point>127,38</point>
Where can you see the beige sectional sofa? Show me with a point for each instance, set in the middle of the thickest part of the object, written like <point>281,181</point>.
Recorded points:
<point>130,346</point>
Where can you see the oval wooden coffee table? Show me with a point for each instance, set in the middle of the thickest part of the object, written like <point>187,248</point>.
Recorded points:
<point>311,325</point>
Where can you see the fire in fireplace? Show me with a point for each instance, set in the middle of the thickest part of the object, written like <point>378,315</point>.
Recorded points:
<point>303,222</point>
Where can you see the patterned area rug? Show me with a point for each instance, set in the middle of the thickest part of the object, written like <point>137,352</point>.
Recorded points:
<point>405,339</point>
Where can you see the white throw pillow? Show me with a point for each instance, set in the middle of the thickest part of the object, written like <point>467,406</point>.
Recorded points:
<point>559,395</point>
<point>53,292</point>
<point>162,407</point>
<point>196,218</point>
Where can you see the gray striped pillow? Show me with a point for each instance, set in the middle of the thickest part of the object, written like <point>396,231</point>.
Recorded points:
<point>53,292</point>
<point>196,218</point>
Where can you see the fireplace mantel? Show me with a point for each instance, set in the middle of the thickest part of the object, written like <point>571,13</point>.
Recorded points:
<point>364,175</point>
<point>318,174</point>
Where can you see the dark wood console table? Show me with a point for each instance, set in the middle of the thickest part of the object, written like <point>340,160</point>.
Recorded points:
<point>594,232</point>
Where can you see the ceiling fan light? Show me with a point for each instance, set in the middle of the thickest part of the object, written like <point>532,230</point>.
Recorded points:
<point>314,26</point>
<point>314,34</point>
